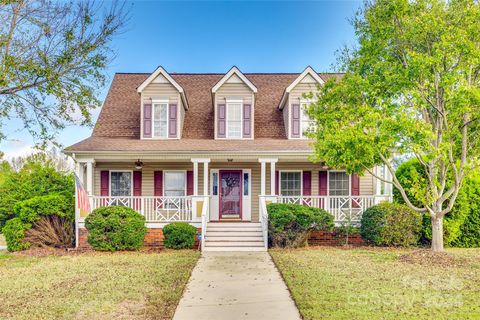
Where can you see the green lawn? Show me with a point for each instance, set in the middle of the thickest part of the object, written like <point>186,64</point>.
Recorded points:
<point>336,283</point>
<point>94,285</point>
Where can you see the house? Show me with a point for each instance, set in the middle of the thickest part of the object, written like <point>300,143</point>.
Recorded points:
<point>212,150</point>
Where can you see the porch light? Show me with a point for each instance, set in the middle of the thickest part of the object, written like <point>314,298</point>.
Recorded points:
<point>138,164</point>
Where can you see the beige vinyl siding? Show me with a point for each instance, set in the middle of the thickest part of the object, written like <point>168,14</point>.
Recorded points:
<point>367,185</point>
<point>236,91</point>
<point>181,110</point>
<point>366,181</point>
<point>147,174</point>
<point>286,119</point>
<point>300,89</point>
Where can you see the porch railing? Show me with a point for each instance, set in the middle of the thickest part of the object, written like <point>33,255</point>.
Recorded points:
<point>343,208</point>
<point>155,209</point>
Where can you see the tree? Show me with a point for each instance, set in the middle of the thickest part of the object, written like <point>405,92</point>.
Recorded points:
<point>412,86</point>
<point>53,54</point>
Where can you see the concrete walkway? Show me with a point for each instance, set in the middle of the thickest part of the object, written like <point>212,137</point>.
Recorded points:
<point>236,285</point>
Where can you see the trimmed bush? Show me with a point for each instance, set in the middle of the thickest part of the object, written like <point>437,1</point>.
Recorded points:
<point>32,209</point>
<point>179,235</point>
<point>14,232</point>
<point>290,225</point>
<point>391,224</point>
<point>29,212</point>
<point>115,228</point>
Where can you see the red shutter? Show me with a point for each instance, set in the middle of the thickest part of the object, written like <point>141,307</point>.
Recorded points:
<point>355,185</point>
<point>172,120</point>
<point>147,120</point>
<point>307,183</point>
<point>189,183</point>
<point>322,183</point>
<point>295,121</point>
<point>158,183</point>
<point>277,183</point>
<point>104,183</point>
<point>137,189</point>
<point>221,121</point>
<point>247,120</point>
<point>137,183</point>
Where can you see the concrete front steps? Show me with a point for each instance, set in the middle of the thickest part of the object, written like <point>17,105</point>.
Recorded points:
<point>234,236</point>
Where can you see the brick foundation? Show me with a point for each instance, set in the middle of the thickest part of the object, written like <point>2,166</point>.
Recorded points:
<point>153,239</point>
<point>332,238</point>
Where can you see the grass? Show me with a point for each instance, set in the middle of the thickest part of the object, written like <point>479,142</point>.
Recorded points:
<point>335,283</point>
<point>94,285</point>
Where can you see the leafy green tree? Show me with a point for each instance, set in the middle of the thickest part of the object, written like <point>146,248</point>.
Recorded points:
<point>37,177</point>
<point>412,86</point>
<point>52,58</point>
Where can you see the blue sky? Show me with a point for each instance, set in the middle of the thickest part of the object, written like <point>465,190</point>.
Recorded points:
<point>203,36</point>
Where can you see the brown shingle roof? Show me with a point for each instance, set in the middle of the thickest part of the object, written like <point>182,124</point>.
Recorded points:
<point>118,125</point>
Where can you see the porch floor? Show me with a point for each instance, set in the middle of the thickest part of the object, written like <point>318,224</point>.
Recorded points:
<point>236,285</point>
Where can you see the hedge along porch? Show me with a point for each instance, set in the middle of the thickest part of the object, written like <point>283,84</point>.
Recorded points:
<point>222,189</point>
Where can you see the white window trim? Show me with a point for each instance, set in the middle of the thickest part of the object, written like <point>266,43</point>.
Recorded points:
<point>349,183</point>
<point>231,101</point>
<point>160,101</point>
<point>110,182</point>
<point>280,182</point>
<point>302,116</point>
<point>174,171</point>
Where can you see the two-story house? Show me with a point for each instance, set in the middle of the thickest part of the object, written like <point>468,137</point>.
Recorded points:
<point>212,150</point>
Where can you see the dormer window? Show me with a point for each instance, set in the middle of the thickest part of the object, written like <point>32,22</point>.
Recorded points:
<point>160,119</point>
<point>234,118</point>
<point>305,121</point>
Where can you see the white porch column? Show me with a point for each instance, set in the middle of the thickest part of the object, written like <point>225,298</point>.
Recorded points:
<point>205,178</point>
<point>262,178</point>
<point>272,177</point>
<point>89,186</point>
<point>195,178</point>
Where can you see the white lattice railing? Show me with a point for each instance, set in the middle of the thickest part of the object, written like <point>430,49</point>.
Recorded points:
<point>263,217</point>
<point>342,208</point>
<point>155,209</point>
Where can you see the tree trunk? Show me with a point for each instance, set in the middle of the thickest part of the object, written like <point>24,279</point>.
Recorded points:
<point>437,234</point>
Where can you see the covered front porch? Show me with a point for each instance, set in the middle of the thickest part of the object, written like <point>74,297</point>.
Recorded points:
<point>225,189</point>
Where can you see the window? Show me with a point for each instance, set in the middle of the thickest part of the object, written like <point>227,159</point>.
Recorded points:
<point>245,184</point>
<point>305,122</point>
<point>120,183</point>
<point>215,183</point>
<point>160,120</point>
<point>234,119</point>
<point>290,183</point>
<point>338,183</point>
<point>174,183</point>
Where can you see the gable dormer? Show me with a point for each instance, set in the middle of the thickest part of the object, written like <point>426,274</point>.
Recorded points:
<point>234,102</point>
<point>163,106</point>
<point>293,104</point>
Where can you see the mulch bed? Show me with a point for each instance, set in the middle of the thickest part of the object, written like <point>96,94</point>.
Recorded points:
<point>429,258</point>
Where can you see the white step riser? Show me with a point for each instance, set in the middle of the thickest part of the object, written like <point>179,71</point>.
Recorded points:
<point>244,229</point>
<point>233,234</point>
<point>233,243</point>
<point>234,249</point>
<point>231,238</point>
<point>234,224</point>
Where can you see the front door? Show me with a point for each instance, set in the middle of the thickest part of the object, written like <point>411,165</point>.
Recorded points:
<point>230,194</point>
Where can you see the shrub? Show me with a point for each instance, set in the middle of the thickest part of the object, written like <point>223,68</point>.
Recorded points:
<point>115,228</point>
<point>290,225</point>
<point>51,231</point>
<point>14,232</point>
<point>391,224</point>
<point>38,177</point>
<point>461,226</point>
<point>32,209</point>
<point>179,235</point>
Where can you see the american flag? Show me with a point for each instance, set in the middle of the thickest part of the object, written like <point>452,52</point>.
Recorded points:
<point>82,198</point>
